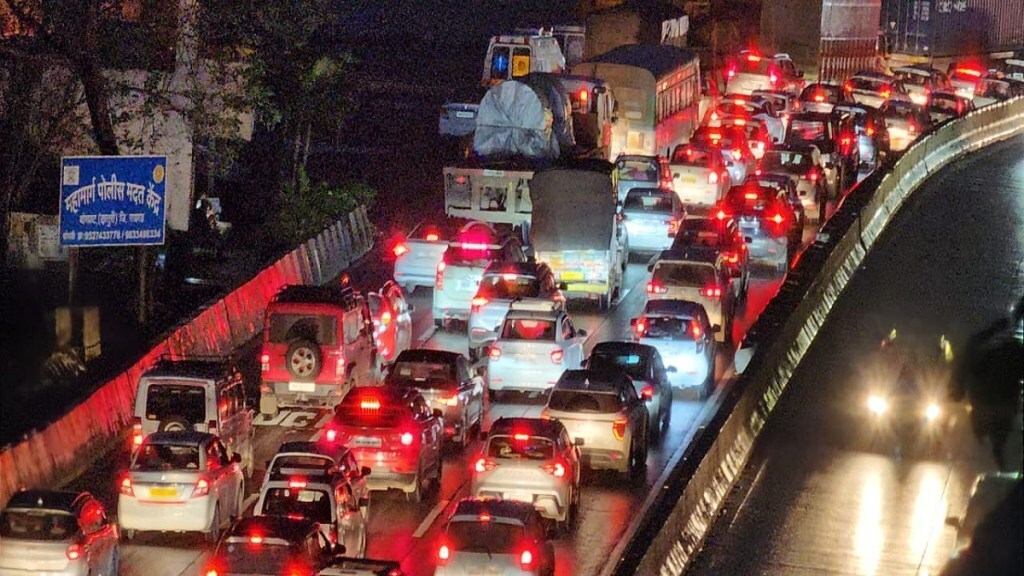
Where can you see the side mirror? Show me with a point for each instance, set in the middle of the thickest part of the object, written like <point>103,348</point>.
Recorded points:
<point>581,333</point>
<point>953,521</point>
<point>365,471</point>
<point>578,442</point>
<point>338,549</point>
<point>716,328</point>
<point>436,413</point>
<point>236,458</point>
<point>748,239</point>
<point>563,286</point>
<point>671,370</point>
<point>650,267</point>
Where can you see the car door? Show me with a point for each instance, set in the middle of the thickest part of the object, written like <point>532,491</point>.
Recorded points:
<point>472,384</point>
<point>430,452</point>
<point>350,525</point>
<point>222,477</point>
<point>403,319</point>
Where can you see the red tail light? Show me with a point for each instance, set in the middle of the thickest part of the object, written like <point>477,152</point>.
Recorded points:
<point>778,218</point>
<point>619,428</point>
<point>484,465</point>
<point>298,483</point>
<point>731,257</point>
<point>695,330</point>
<point>432,237</point>
<point>647,392</point>
<point>750,195</point>
<point>812,175</point>
<point>265,363</point>
<point>212,572</point>
<point>526,560</point>
<point>640,327</point>
<point>655,288</point>
<point>202,488</point>
<point>256,539</point>
<point>439,279</point>
<point>870,130</point>
<point>556,469</point>
<point>711,292</point>
<point>556,356</point>
<point>400,249</point>
<point>673,227</point>
<point>478,302</point>
<point>452,400</point>
<point>848,87</point>
<point>913,127</point>
<point>713,177</point>
<point>721,214</point>
<point>494,353</point>
<point>819,97</point>
<point>126,486</point>
<point>331,434</point>
<point>443,554</point>
<point>773,78</point>
<point>885,92</point>
<point>137,436</point>
<point>74,552</point>
<point>406,438</point>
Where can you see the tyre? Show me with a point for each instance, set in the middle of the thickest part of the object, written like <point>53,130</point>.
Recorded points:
<point>304,360</point>
<point>654,432</point>
<point>439,323</point>
<point>416,496</point>
<point>706,387</point>
<point>638,465</point>
<point>603,302</point>
<point>667,418</point>
<point>175,424</point>
<point>214,533</point>
<point>115,562</point>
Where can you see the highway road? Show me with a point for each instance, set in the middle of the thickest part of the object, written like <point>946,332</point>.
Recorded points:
<point>818,496</point>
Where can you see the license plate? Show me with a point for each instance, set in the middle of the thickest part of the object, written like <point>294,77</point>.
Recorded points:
<point>366,442</point>
<point>464,115</point>
<point>301,386</point>
<point>572,276</point>
<point>163,492</point>
<point>519,497</point>
<point>689,179</point>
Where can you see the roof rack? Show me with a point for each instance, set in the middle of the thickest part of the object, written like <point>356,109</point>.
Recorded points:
<point>307,294</point>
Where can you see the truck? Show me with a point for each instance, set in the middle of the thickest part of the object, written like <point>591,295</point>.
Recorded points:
<point>574,229</point>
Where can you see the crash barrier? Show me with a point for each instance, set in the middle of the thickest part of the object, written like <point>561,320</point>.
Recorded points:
<point>60,449</point>
<point>674,521</point>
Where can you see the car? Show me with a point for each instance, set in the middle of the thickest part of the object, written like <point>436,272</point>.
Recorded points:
<point>651,217</point>
<point>990,490</point>
<point>530,460</point>
<point>392,431</point>
<point>822,97</point>
<point>316,490</point>
<point>305,454</point>
<point>739,108</point>
<point>784,104</point>
<point>643,364</point>
<point>447,383</point>
<point>392,320</point>
<point>943,106</point>
<point>964,77</point>
<point>824,132</point>
<point>317,344</point>
<point>905,121</point>
<point>181,482</point>
<point>641,172</point>
<point>606,418</point>
<point>757,136</point>
<point>537,342</point>
<point>994,88</point>
<point>62,533</point>
<point>921,81</point>
<point>784,186</point>
<point>698,274</point>
<point>750,71</point>
<point>804,164</point>
<point>489,536</point>
<point>260,545</point>
<point>766,219</point>
<point>699,175</point>
<point>872,136</point>
<point>418,254</point>
<point>202,394</point>
<point>462,267</point>
<point>723,235</point>
<point>733,143</point>
<point>875,88</point>
<point>503,283</point>
<point>684,339</point>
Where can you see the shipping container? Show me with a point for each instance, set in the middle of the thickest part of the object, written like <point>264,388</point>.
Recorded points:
<point>940,28</point>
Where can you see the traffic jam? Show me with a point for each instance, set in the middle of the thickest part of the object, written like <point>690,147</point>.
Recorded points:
<point>504,401</point>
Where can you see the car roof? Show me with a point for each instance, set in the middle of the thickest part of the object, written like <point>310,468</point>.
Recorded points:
<point>593,380</point>
<point>46,499</point>
<point>326,294</point>
<point>283,527</point>
<point>506,509</point>
<point>619,346</point>
<point>649,191</point>
<point>522,268</point>
<point>424,355</point>
<point>532,426</point>
<point>637,158</point>
<point>309,447</point>
<point>703,254</point>
<point>206,368</point>
<point>681,308</point>
<point>179,437</point>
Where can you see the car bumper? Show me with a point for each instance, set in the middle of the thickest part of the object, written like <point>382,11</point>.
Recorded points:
<point>772,250</point>
<point>700,195</point>
<point>302,395</point>
<point>512,377</point>
<point>551,503</point>
<point>691,369</point>
<point>451,305</point>
<point>649,241</point>
<point>77,568</point>
<point>606,458</point>
<point>193,515</point>
<point>414,277</point>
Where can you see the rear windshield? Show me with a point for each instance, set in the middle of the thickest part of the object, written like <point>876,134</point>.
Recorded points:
<point>434,375</point>
<point>528,329</point>
<point>508,286</point>
<point>584,401</point>
<point>821,93</point>
<point>785,160</point>
<point>167,457</point>
<point>690,156</point>
<point>37,524</point>
<point>869,84</point>
<point>734,109</point>
<point>166,401</point>
<point>684,274</point>
<point>302,461</point>
<point>911,78</point>
<point>470,254</point>
<point>285,328</point>
<point>357,416</point>
<point>700,236</point>
<point>753,65</point>
<point>646,202</point>
<point>638,170</point>
<point>428,233</point>
<point>943,103</point>
<point>808,130</point>
<point>520,447</point>
<point>263,558</point>
<point>485,537</point>
<point>312,504</point>
<point>634,365</point>
<point>667,328</point>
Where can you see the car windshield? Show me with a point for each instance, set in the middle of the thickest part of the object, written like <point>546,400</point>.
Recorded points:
<point>912,78</point>
<point>508,286</point>
<point>649,202</point>
<point>520,447</point>
<point>808,130</point>
<point>312,504</point>
<point>684,274</point>
<point>667,328</point>
<point>694,156</point>
<point>285,328</point>
<point>635,366</point>
<point>154,456</point>
<point>262,558</point>
<point>485,537</point>
<point>821,93</point>
<point>753,64</point>
<point>584,401</point>
<point>53,525</point>
<point>433,375</point>
<point>638,170</point>
<point>303,461</point>
<point>528,329</point>
<point>784,160</point>
<point>165,401</point>
<point>867,84</point>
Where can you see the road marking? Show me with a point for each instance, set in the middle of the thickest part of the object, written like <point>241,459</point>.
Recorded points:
<point>425,525</point>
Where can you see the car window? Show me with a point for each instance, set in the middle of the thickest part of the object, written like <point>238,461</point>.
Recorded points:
<point>637,170</point>
<point>669,328</point>
<point>649,202</point>
<point>167,457</point>
<point>174,400</point>
<point>51,525</point>
<point>808,130</point>
<point>584,401</point>
<point>528,329</point>
<point>463,370</point>
<point>310,503</point>
<point>485,537</point>
<point>508,286</point>
<point>694,156</point>
<point>636,366</point>
<point>418,374</point>
<point>683,274</point>
<point>520,447</point>
<point>286,328</point>
<point>243,558</point>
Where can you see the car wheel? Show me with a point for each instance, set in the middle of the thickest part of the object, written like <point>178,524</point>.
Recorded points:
<point>174,424</point>
<point>115,562</point>
<point>304,359</point>
<point>654,432</point>
<point>638,467</point>
<point>214,533</point>
<point>666,419</point>
<point>416,496</point>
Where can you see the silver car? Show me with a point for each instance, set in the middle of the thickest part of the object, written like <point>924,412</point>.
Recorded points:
<point>304,454</point>
<point>57,533</point>
<point>652,217</point>
<point>502,284</point>
<point>685,339</point>
<point>417,256</point>
<point>533,348</point>
<point>494,537</point>
<point>805,165</point>
<point>696,274</point>
<point>606,418</point>
<point>530,460</point>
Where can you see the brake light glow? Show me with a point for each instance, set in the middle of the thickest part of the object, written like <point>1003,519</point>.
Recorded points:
<point>968,72</point>
<point>712,177</point>
<point>299,483</point>
<point>848,86</point>
<point>711,292</point>
<point>137,422</point>
<point>331,434</point>
<point>443,553</point>
<point>202,488</point>
<point>556,356</point>
<point>521,437</point>
<point>369,404</point>
<point>812,175</point>
<point>452,400</point>
<point>406,438</point>
<point>913,127</point>
<point>721,215</point>
<point>255,539</point>
<point>819,97</point>
<point>619,428</point>
<point>478,302</point>
<point>400,249</point>
<point>655,288</point>
<point>777,218</point>
<point>584,96</point>
<point>265,362</point>
<point>432,237</point>
<point>526,560</point>
<point>494,353</point>
<point>695,330</point>
<point>773,78</point>
<point>556,469</point>
<point>126,486</point>
<point>484,517</point>
<point>885,92</point>
<point>439,278</point>
<point>74,552</point>
<point>750,195</point>
<point>640,327</point>
<point>211,572</point>
<point>484,465</point>
<point>647,392</point>
<point>753,58</point>
<point>385,318</point>
<point>740,121</point>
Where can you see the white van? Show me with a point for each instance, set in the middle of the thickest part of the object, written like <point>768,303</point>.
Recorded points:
<point>515,55</point>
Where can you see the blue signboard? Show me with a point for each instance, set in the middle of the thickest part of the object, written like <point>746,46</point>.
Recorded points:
<point>113,200</point>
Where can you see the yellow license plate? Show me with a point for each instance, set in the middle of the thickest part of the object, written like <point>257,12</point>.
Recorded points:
<point>163,492</point>
<point>567,276</point>
<point>689,179</point>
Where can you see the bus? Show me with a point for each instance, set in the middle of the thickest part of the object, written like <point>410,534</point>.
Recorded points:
<point>657,94</point>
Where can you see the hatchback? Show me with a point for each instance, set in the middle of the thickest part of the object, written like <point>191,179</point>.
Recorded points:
<point>487,536</point>
<point>681,332</point>
<point>651,217</point>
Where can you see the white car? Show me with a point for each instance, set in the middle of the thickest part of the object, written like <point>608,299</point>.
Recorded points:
<point>875,88</point>
<point>696,274</point>
<point>181,482</point>
<point>502,284</point>
<point>417,256</point>
<point>537,342</point>
<point>743,107</point>
<point>321,495</point>
<point>305,455</point>
<point>685,338</point>
<point>652,217</point>
<point>488,536</point>
<point>699,175</point>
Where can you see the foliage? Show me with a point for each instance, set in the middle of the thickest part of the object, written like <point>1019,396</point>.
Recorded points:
<point>308,208</point>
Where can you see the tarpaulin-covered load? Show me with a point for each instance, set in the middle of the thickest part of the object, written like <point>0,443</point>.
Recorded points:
<point>528,118</point>
<point>573,208</point>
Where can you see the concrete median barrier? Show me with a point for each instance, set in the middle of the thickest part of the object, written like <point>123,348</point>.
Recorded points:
<point>57,451</point>
<point>675,521</point>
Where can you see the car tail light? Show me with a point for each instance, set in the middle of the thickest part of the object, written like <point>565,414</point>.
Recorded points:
<point>452,400</point>
<point>443,554</point>
<point>655,288</point>
<point>640,327</point>
<point>202,488</point>
<point>848,86</point>
<point>126,486</point>
<point>478,302</point>
<point>385,318</point>
<point>695,330</point>
<point>870,130</point>
<point>369,404</point>
<point>731,71</point>
<point>74,552</point>
<point>494,353</point>
<point>556,469</point>
<point>673,227</point>
<point>711,292</point>
<point>619,428</point>
<point>647,392</point>
<point>212,572</point>
<point>773,78</point>
<point>721,214</point>
<point>331,434</point>
<point>265,362</point>
<point>526,560</point>
<point>406,438</point>
<point>885,92</point>
<point>439,280</point>
<point>819,97</point>
<point>299,483</point>
<point>750,195</point>
<point>137,436</point>
<point>812,175</point>
<point>484,465</point>
<point>556,356</point>
<point>913,127</point>
<point>400,249</point>
<point>713,177</point>
<point>432,237</point>
<point>731,257</point>
<point>256,539</point>
<point>778,218</point>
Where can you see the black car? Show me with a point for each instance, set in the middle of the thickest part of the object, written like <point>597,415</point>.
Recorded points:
<point>785,188</point>
<point>272,545</point>
<point>643,364</point>
<point>834,136</point>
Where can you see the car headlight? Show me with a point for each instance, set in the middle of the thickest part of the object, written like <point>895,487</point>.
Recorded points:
<point>877,404</point>
<point>932,412</point>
